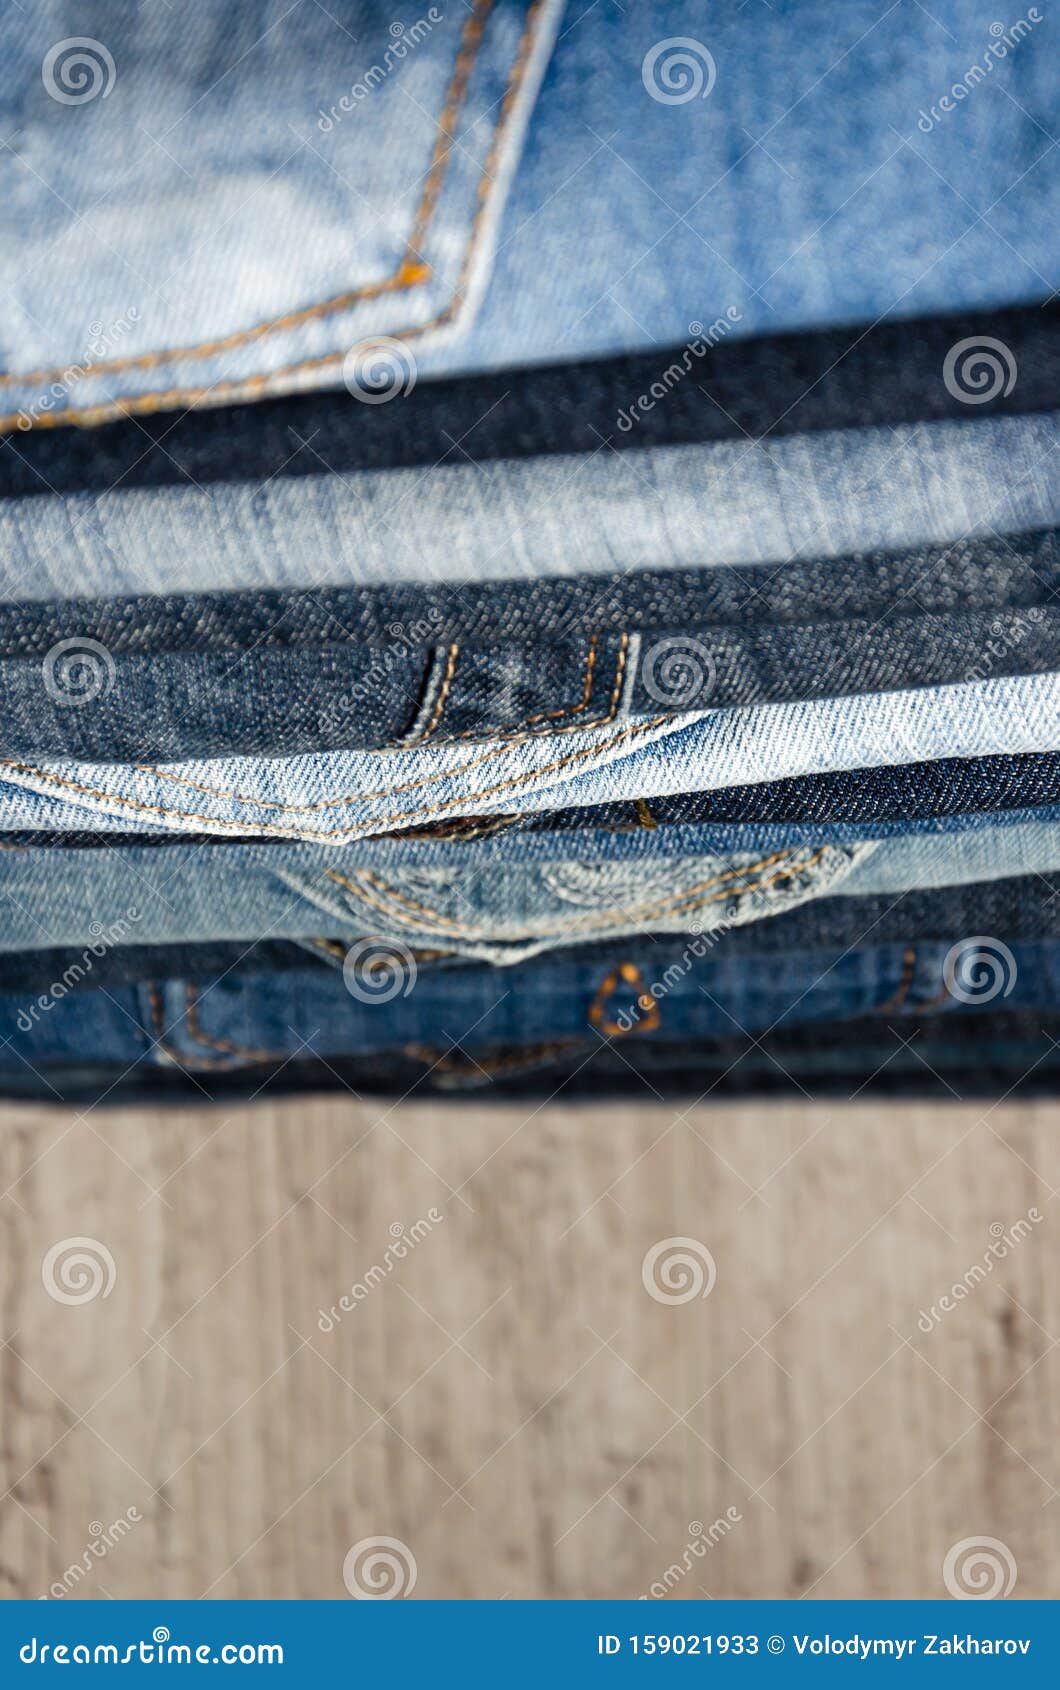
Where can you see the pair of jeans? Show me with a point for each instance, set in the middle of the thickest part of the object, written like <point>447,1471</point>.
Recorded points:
<point>499,912</point>
<point>945,1058</point>
<point>341,176</point>
<point>339,797</point>
<point>193,676</point>
<point>463,1025</point>
<point>825,494</point>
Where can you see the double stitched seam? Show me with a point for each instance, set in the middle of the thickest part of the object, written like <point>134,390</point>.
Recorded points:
<point>195,1031</point>
<point>546,715</point>
<point>603,918</point>
<point>411,272</point>
<point>143,403</point>
<point>443,694</point>
<point>358,827</point>
<point>364,797</point>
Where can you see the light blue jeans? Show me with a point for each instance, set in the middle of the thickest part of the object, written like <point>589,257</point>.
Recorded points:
<point>815,495</point>
<point>340,797</point>
<point>466,905</point>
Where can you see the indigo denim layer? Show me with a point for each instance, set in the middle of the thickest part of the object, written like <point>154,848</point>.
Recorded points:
<point>332,177</point>
<point>462,1022</point>
<point>339,797</point>
<point>944,1057</point>
<point>811,495</point>
<point>273,673</point>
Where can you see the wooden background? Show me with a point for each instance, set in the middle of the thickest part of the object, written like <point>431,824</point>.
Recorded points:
<point>510,1402</point>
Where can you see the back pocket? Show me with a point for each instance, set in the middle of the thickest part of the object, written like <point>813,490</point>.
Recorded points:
<point>219,201</point>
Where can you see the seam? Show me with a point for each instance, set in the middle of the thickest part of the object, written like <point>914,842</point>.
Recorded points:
<point>409,273</point>
<point>898,997</point>
<point>544,715</point>
<point>358,827</point>
<point>133,404</point>
<point>191,1021</point>
<point>591,921</point>
<point>385,791</point>
<point>439,708</point>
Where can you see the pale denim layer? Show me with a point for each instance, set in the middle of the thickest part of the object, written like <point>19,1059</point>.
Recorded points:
<point>925,861</point>
<point>500,914</point>
<point>340,797</point>
<point>817,495</point>
<point>219,199</point>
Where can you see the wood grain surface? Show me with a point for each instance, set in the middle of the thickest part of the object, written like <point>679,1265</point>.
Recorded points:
<point>508,1399</point>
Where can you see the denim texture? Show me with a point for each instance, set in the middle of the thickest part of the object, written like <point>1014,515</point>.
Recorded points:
<point>1022,908</point>
<point>327,235</point>
<point>257,241</point>
<point>464,907</point>
<point>876,374</point>
<point>811,172</point>
<point>280,673</point>
<point>339,797</point>
<point>947,1058</point>
<point>464,1026</point>
<point>500,913</point>
<point>760,501</point>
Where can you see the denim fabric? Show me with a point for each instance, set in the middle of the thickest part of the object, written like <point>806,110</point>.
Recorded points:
<point>268,673</point>
<point>879,374</point>
<point>466,907</point>
<point>760,501</point>
<point>1023,908</point>
<point>465,1025</point>
<point>499,913</point>
<point>811,184</point>
<point>339,797</point>
<point>948,1058</point>
<point>215,204</point>
<point>277,241</point>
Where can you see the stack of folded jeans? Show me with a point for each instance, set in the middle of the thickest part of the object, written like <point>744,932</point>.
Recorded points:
<point>509,582</point>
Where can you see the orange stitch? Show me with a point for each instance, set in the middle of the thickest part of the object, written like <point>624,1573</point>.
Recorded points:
<point>631,974</point>
<point>409,273</point>
<point>447,681</point>
<point>358,827</point>
<point>591,921</point>
<point>384,792</point>
<point>644,815</point>
<point>544,716</point>
<point>934,1002</point>
<point>191,1021</point>
<point>898,997</point>
<point>144,404</point>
